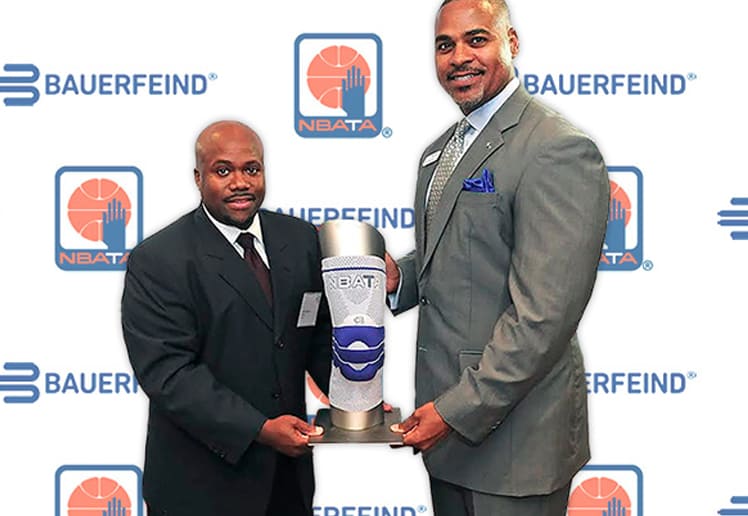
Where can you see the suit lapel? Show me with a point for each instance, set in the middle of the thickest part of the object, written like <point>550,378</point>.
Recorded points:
<point>488,141</point>
<point>280,271</point>
<point>229,266</point>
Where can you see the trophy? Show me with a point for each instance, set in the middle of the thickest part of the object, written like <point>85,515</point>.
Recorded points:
<point>353,272</point>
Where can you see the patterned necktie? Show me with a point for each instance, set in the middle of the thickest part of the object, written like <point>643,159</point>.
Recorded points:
<point>449,158</point>
<point>246,240</point>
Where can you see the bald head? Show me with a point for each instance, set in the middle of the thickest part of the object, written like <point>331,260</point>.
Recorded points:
<point>499,8</point>
<point>230,172</point>
<point>217,133</point>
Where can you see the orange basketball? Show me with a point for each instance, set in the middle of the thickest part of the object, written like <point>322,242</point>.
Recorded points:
<point>328,69</point>
<point>91,497</point>
<point>89,201</point>
<point>591,497</point>
<point>619,194</point>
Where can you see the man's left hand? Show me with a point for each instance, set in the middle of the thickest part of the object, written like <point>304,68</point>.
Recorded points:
<point>424,428</point>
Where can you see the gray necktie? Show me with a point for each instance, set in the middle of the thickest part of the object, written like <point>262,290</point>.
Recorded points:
<point>449,158</point>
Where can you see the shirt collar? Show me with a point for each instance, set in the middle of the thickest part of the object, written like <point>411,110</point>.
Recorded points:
<point>231,233</point>
<point>480,117</point>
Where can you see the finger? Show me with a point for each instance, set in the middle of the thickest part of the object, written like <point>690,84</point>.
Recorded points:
<point>386,407</point>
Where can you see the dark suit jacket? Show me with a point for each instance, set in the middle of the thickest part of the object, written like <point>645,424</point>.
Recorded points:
<point>502,282</point>
<point>216,360</point>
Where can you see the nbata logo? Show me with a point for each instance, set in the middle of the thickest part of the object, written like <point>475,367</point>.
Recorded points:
<point>736,218</point>
<point>98,217</point>
<point>19,385</point>
<point>622,250</point>
<point>607,491</point>
<point>107,490</point>
<point>19,86</point>
<point>338,86</point>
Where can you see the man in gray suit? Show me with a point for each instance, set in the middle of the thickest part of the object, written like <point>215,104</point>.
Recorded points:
<point>511,209</point>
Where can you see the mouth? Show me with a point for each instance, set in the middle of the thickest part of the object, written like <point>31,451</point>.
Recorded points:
<point>240,202</point>
<point>464,78</point>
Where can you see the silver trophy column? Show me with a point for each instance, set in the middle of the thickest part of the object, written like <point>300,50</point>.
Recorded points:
<point>353,271</point>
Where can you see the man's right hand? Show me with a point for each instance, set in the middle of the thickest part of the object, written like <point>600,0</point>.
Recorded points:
<point>288,435</point>
<point>393,273</point>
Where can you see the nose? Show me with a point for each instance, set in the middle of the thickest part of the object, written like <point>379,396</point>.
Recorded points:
<point>462,54</point>
<point>240,180</point>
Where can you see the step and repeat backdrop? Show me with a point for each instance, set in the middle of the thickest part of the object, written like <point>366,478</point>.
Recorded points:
<point>102,101</point>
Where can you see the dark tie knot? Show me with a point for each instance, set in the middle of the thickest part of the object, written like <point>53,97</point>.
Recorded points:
<point>246,240</point>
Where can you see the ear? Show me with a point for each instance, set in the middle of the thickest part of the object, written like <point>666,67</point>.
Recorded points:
<point>513,41</point>
<point>197,177</point>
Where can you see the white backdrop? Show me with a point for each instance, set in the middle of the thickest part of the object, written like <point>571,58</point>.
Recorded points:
<point>680,315</point>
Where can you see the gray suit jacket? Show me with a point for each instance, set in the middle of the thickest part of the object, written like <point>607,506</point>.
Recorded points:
<point>502,284</point>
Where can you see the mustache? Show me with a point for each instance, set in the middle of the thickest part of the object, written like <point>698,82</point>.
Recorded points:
<point>243,196</point>
<point>463,69</point>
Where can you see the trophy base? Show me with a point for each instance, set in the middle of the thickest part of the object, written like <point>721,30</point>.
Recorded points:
<point>378,434</point>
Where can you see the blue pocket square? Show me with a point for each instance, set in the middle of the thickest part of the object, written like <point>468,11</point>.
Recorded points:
<point>480,184</point>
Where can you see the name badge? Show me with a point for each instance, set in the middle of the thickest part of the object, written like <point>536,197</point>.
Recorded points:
<point>309,309</point>
<point>428,160</point>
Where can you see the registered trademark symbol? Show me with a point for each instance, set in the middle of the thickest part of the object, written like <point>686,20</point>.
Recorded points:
<point>212,76</point>
<point>691,76</point>
<point>386,132</point>
<point>691,375</point>
<point>422,508</point>
<point>647,265</point>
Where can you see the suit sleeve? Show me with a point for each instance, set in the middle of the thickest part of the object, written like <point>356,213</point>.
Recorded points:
<point>408,292</point>
<point>560,214</point>
<point>161,334</point>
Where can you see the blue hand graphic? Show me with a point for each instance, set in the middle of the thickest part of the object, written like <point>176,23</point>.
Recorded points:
<point>113,226</point>
<point>114,508</point>
<point>615,234</point>
<point>615,508</point>
<point>353,93</point>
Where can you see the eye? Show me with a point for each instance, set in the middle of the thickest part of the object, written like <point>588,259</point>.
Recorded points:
<point>477,41</point>
<point>253,169</point>
<point>223,171</point>
<point>444,46</point>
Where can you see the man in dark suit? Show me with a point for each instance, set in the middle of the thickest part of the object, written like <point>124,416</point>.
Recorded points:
<point>220,346</point>
<point>511,208</point>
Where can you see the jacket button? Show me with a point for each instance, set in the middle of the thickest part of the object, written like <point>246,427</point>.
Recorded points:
<point>276,395</point>
<point>281,344</point>
<point>424,301</point>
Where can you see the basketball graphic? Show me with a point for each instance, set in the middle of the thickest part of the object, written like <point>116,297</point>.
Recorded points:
<point>329,68</point>
<point>90,498</point>
<point>591,497</point>
<point>89,201</point>
<point>619,194</point>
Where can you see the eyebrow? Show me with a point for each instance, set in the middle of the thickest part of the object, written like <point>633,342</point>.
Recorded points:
<point>471,32</point>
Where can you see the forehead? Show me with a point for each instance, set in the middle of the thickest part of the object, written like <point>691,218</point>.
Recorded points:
<point>461,16</point>
<point>231,142</point>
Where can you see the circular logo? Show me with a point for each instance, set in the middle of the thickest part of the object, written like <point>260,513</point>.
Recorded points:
<point>618,194</point>
<point>596,495</point>
<point>328,69</point>
<point>88,204</point>
<point>99,495</point>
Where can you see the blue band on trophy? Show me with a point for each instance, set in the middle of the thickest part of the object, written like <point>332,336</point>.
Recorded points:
<point>357,372</point>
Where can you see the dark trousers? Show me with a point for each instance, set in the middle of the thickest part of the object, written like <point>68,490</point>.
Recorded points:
<point>453,500</point>
<point>285,499</point>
